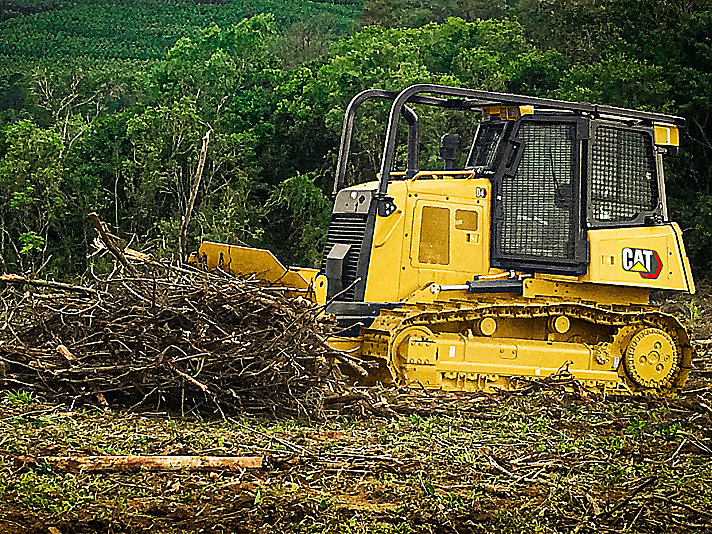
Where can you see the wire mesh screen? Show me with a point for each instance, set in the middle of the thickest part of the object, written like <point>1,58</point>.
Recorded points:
<point>483,149</point>
<point>537,202</point>
<point>623,181</point>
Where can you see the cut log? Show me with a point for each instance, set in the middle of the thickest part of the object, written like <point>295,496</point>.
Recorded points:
<point>149,463</point>
<point>64,351</point>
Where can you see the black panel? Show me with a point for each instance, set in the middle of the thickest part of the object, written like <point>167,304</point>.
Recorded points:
<point>358,313</point>
<point>623,186</point>
<point>348,229</point>
<point>495,286</point>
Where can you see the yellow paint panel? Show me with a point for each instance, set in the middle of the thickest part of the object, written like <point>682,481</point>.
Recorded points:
<point>245,261</point>
<point>386,227</point>
<point>394,269</point>
<point>641,256</point>
<point>547,285</point>
<point>389,235</point>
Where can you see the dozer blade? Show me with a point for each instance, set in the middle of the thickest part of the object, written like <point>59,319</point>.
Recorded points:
<point>261,264</point>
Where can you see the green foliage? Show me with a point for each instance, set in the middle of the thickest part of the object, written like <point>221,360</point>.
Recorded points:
<point>301,212</point>
<point>641,429</point>
<point>416,13</point>
<point>30,241</point>
<point>19,398</point>
<point>482,54</point>
<point>234,212</point>
<point>144,30</point>
<point>636,428</point>
<point>601,82</point>
<point>42,490</point>
<point>668,432</point>
<point>695,313</point>
<point>211,66</point>
<point>34,195</point>
<point>104,105</point>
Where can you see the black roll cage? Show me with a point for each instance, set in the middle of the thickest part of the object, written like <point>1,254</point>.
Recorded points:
<point>347,130</point>
<point>469,99</point>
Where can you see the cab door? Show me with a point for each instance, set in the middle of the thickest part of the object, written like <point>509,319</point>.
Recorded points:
<point>537,222</point>
<point>448,238</point>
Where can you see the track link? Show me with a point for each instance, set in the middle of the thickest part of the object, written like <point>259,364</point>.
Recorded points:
<point>486,346</point>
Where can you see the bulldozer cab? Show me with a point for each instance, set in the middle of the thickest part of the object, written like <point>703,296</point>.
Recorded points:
<point>545,175</point>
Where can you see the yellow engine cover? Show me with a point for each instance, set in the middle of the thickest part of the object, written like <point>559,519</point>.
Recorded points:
<point>640,256</point>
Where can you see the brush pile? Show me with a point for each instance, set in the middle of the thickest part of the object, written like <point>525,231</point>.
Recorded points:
<point>155,336</point>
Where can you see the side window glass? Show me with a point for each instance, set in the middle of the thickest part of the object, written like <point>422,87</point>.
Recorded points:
<point>623,179</point>
<point>484,147</point>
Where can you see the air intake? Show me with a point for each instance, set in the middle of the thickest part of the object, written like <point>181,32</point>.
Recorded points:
<point>346,229</point>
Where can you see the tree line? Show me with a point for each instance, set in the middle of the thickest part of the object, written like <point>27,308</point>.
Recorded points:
<point>261,102</point>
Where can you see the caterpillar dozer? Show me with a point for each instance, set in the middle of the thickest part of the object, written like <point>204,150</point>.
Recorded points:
<point>535,258</point>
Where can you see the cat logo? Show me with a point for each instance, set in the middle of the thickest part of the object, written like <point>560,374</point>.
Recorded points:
<point>643,261</point>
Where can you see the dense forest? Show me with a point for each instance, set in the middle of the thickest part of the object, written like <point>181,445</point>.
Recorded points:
<point>107,106</point>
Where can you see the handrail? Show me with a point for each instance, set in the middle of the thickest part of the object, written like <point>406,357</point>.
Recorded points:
<point>435,174</point>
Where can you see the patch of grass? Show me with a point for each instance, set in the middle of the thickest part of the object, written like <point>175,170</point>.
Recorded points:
<point>509,465</point>
<point>695,314</point>
<point>19,398</point>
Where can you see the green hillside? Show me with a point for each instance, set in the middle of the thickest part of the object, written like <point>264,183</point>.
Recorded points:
<point>143,29</point>
<point>103,105</point>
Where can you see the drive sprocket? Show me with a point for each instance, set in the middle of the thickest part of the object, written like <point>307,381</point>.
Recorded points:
<point>651,358</point>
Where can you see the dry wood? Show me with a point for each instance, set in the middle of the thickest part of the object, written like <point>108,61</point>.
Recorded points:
<point>185,220</point>
<point>647,482</point>
<point>108,241</point>
<point>64,351</point>
<point>683,505</point>
<point>348,361</point>
<point>19,279</point>
<point>167,337</point>
<point>150,463</point>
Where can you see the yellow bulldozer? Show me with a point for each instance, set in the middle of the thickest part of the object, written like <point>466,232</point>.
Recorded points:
<point>534,259</point>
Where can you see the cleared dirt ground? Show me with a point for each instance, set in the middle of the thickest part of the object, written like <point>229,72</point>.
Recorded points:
<point>542,461</point>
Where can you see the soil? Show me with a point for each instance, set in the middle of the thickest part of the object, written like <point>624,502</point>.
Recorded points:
<point>461,463</point>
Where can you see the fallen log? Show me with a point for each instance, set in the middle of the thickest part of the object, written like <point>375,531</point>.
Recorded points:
<point>146,463</point>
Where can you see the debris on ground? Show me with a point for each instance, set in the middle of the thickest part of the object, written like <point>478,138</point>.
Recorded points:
<point>152,335</point>
<point>446,463</point>
<point>116,463</point>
